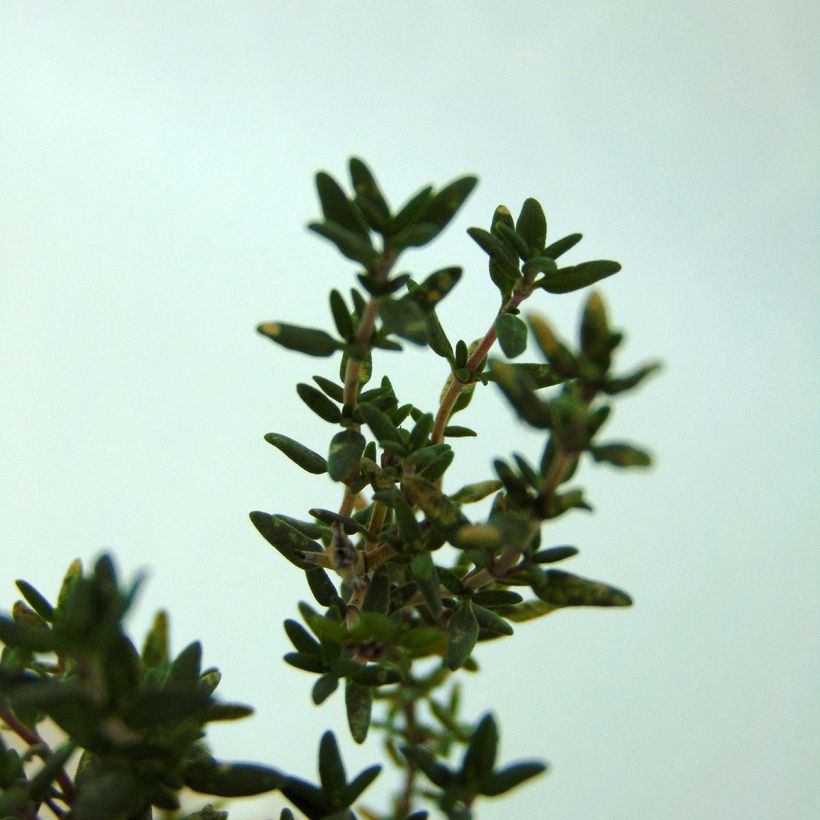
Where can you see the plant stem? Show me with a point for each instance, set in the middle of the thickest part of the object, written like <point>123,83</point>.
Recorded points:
<point>42,750</point>
<point>449,399</point>
<point>364,332</point>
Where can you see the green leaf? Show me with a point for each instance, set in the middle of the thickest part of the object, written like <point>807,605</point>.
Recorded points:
<point>479,756</point>
<point>319,403</point>
<point>564,244</point>
<point>301,638</point>
<point>512,334</point>
<point>470,493</point>
<point>517,390</point>
<point>619,385</point>
<point>564,589</point>
<point>346,450</point>
<point>38,785</point>
<point>435,287</point>
<point>594,324</point>
<point>226,711</point>
<point>301,339</point>
<point>286,539</point>
<point>308,798</point>
<point>188,664</point>
<point>532,224</point>
<point>336,207</point>
<point>379,423</point>
<point>331,769</point>
<point>424,572</point>
<point>513,239</point>
<point>368,191</point>
<point>620,454</point>
<point>489,621</point>
<point>554,554</point>
<point>532,374</point>
<point>360,783</point>
<point>412,210</point>
<point>350,244</point>
<point>436,772</point>
<point>298,453</point>
<point>414,236</point>
<point>504,264</point>
<point>438,508</point>
<point>331,389</point>
<point>305,662</point>
<point>321,586</point>
<point>73,574</point>
<point>510,776</point>
<point>557,353</point>
<point>207,776</point>
<point>539,264</point>
<point>462,629</point>
<point>456,431</point>
<point>404,318</point>
<point>169,706</point>
<point>38,602</point>
<point>341,315</point>
<point>23,636</point>
<point>446,202</point>
<point>324,687</point>
<point>377,598</point>
<point>437,338</point>
<point>359,704</point>
<point>565,280</point>
<point>528,611</point>
<point>155,650</point>
<point>496,597</point>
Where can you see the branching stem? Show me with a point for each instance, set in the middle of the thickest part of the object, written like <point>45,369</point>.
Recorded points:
<point>449,399</point>
<point>41,749</point>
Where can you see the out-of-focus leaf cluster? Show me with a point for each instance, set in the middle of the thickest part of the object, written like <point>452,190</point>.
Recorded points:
<point>137,719</point>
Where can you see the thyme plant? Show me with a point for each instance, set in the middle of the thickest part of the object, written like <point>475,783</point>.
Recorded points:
<point>406,581</point>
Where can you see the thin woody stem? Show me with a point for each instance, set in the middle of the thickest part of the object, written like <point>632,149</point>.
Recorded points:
<point>353,369</point>
<point>449,399</point>
<point>364,333</point>
<point>42,750</point>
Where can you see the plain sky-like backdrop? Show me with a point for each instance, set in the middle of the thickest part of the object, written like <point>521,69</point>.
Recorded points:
<point>156,164</point>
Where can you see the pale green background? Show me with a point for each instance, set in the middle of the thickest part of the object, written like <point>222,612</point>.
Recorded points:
<point>156,177</point>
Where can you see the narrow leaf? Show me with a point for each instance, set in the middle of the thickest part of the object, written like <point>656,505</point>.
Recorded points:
<point>336,207</point>
<point>319,403</point>
<point>346,450</point>
<point>479,757</point>
<point>620,454</point>
<point>532,224</point>
<point>38,602</point>
<point>286,539</point>
<point>565,280</point>
<point>359,704</point>
<point>510,777</point>
<point>306,458</point>
<point>331,768</point>
<point>462,629</point>
<point>302,339</point>
<point>512,334</point>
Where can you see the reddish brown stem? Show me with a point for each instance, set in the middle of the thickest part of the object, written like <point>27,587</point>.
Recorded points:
<point>42,750</point>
